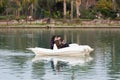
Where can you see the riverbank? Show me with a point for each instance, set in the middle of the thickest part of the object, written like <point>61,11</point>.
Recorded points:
<point>59,24</point>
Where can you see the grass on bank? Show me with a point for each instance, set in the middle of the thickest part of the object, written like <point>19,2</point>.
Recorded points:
<point>12,22</point>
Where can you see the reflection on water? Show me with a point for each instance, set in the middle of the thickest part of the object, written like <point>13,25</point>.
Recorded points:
<point>66,65</point>
<point>70,60</point>
<point>60,61</point>
<point>19,64</point>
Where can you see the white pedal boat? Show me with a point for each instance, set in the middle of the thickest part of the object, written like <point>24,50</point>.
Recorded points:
<point>72,50</point>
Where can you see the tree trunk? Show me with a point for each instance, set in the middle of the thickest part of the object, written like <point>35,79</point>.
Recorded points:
<point>7,16</point>
<point>64,9</point>
<point>87,4</point>
<point>71,14</point>
<point>31,12</point>
<point>78,3</point>
<point>90,3</point>
<point>114,5</point>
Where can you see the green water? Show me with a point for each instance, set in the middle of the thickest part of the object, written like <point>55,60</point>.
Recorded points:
<point>16,61</point>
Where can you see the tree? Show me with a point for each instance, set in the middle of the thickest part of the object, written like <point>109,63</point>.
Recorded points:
<point>105,7</point>
<point>33,4</point>
<point>64,9</point>
<point>17,8</point>
<point>78,3</point>
<point>117,3</point>
<point>25,4</point>
<point>90,3</point>
<point>71,15</point>
<point>3,5</point>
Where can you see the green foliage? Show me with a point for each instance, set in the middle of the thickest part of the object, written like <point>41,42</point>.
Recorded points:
<point>107,13</point>
<point>3,17</point>
<point>104,4</point>
<point>88,14</point>
<point>118,4</point>
<point>58,9</point>
<point>105,7</point>
<point>54,8</point>
<point>2,9</point>
<point>57,14</point>
<point>10,17</point>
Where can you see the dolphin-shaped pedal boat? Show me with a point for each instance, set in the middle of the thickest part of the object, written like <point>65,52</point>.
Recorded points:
<point>72,50</point>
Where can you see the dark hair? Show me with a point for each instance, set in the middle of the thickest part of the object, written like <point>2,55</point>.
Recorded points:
<point>52,39</point>
<point>59,36</point>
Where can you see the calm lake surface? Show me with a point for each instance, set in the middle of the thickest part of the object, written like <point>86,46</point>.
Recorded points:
<point>17,63</point>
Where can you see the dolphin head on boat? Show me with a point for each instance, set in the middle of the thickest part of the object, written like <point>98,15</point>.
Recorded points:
<point>55,47</point>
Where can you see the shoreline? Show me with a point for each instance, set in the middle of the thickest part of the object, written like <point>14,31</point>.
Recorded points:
<point>52,26</point>
<point>115,27</point>
<point>59,25</point>
<point>65,27</point>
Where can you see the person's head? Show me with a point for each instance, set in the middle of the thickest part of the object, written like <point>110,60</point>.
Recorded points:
<point>59,37</point>
<point>54,38</point>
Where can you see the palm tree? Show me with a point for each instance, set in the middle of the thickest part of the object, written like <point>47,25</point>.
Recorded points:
<point>4,3</point>
<point>24,4</point>
<point>78,3</point>
<point>1,2</point>
<point>71,15</point>
<point>18,8</point>
<point>64,9</point>
<point>33,4</point>
<point>117,3</point>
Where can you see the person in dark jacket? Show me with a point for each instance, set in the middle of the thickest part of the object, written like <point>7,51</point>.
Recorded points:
<point>52,41</point>
<point>59,41</point>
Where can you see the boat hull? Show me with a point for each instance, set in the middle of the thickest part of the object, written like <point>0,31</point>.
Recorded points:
<point>73,50</point>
